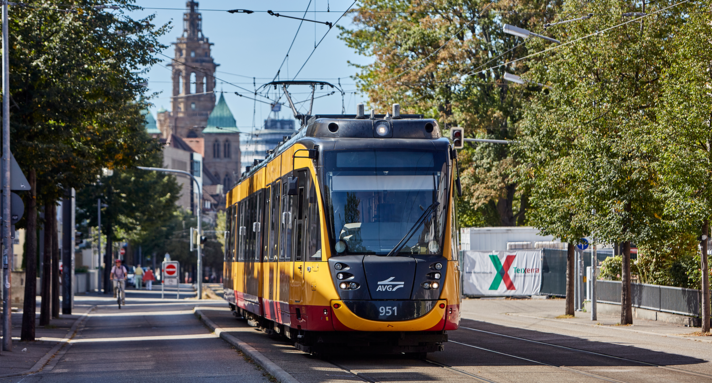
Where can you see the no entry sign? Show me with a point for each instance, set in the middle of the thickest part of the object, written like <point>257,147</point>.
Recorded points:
<point>171,270</point>
<point>170,273</point>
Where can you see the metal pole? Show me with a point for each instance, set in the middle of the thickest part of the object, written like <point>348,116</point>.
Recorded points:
<point>577,283</point>
<point>576,280</point>
<point>7,236</point>
<point>200,227</point>
<point>594,276</point>
<point>98,264</point>
<point>67,252</point>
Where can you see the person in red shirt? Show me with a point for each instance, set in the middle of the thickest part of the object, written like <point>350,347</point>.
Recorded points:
<point>148,277</point>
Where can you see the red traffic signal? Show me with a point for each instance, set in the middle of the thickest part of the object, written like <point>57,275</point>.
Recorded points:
<point>458,137</point>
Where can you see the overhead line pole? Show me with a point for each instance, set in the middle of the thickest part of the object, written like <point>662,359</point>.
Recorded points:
<point>200,201</point>
<point>6,235</point>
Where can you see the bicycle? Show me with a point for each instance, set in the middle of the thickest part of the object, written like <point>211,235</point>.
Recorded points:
<point>119,290</point>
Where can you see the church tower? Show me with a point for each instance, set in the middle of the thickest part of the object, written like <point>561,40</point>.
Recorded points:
<point>193,71</point>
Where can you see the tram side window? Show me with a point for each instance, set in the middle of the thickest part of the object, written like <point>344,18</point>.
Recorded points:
<point>257,225</point>
<point>226,258</point>
<point>235,229</point>
<point>313,228</point>
<point>250,249</point>
<point>274,223</point>
<point>299,213</point>
<point>285,242</point>
<point>241,236</point>
<point>265,223</point>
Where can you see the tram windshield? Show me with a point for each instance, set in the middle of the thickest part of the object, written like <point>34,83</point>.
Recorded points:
<point>378,199</point>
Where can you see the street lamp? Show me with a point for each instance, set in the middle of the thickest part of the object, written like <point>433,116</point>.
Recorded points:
<point>518,80</point>
<point>514,78</point>
<point>200,201</point>
<point>525,34</point>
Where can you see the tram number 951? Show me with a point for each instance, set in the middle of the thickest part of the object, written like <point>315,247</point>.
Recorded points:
<point>387,311</point>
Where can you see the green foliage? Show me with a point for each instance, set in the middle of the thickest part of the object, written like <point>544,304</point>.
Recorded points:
<point>139,203</point>
<point>77,93</point>
<point>667,261</point>
<point>430,59</point>
<point>174,238</point>
<point>590,140</point>
<point>611,268</point>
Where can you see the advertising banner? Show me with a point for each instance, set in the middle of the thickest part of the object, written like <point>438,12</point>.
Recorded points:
<point>502,273</point>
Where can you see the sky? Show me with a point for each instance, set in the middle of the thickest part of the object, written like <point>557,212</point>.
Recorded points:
<point>254,45</point>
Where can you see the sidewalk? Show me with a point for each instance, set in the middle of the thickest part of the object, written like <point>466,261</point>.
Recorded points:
<point>551,310</point>
<point>26,356</point>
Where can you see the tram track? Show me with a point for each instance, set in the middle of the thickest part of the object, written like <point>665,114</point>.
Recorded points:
<point>582,351</point>
<point>539,362</point>
<point>353,373</point>
<point>457,370</point>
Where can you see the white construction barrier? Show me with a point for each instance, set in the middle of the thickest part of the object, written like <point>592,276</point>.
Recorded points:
<point>502,273</point>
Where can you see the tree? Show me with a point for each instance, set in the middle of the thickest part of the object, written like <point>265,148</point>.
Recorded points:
<point>594,130</point>
<point>441,58</point>
<point>685,128</point>
<point>77,72</point>
<point>138,203</point>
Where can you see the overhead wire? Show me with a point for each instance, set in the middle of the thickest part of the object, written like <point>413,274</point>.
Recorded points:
<point>293,40</point>
<point>578,39</point>
<point>322,39</point>
<point>206,73</point>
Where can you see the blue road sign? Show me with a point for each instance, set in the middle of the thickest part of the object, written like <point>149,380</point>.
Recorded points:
<point>583,244</point>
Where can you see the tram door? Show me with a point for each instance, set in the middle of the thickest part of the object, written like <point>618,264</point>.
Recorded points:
<point>299,210</point>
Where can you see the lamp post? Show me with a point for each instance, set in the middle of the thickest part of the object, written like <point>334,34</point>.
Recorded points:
<point>99,205</point>
<point>200,201</point>
<point>6,233</point>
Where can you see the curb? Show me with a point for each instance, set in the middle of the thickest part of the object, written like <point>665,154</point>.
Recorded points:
<point>51,353</point>
<point>263,361</point>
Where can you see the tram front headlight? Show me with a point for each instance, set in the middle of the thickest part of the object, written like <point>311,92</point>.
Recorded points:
<point>426,285</point>
<point>340,276</point>
<point>383,129</point>
<point>353,285</point>
<point>436,275</point>
<point>343,285</point>
<point>434,285</point>
<point>438,266</point>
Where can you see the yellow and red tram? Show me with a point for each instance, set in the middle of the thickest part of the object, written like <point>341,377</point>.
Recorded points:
<point>345,236</point>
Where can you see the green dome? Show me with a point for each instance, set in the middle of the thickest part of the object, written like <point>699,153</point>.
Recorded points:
<point>151,127</point>
<point>221,119</point>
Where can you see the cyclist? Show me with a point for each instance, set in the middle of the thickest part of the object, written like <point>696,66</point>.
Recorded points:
<point>118,275</point>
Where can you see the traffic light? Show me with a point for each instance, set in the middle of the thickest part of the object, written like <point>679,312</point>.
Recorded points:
<point>203,239</point>
<point>193,238</point>
<point>458,137</point>
<point>78,240</point>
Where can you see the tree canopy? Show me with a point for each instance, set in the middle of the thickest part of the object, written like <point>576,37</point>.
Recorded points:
<point>434,57</point>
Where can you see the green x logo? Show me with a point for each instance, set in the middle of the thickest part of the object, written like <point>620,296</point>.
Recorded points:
<point>502,272</point>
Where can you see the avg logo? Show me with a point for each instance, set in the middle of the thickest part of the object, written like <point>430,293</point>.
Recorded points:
<point>502,273</point>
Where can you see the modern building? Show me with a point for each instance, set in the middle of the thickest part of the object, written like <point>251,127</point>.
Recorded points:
<point>257,144</point>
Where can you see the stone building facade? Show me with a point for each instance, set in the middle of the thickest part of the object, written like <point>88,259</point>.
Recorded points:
<point>194,116</point>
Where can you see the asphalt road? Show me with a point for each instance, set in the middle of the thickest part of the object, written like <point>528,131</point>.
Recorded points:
<point>494,344</point>
<point>147,340</point>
